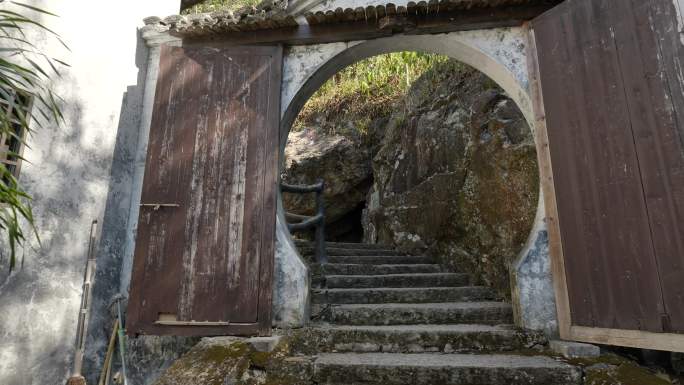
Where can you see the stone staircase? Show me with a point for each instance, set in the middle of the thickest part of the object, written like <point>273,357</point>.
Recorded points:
<point>381,317</point>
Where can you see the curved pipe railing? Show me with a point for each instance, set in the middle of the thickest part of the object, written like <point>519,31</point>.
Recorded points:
<point>305,222</point>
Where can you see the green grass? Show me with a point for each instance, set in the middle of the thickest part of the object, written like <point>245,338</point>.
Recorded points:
<point>368,89</point>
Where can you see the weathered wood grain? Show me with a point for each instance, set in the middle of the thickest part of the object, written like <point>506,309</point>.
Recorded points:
<point>613,90</point>
<point>611,269</point>
<point>653,63</point>
<point>203,267</point>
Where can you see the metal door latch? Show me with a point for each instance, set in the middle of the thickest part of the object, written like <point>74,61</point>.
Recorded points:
<point>157,206</point>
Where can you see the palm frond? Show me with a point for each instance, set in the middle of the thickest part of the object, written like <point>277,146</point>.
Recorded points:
<point>25,75</point>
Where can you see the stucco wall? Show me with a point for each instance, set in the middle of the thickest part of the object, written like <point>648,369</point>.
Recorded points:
<point>69,174</point>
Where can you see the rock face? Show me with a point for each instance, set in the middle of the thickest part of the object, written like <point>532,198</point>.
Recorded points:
<point>456,176</point>
<point>452,173</point>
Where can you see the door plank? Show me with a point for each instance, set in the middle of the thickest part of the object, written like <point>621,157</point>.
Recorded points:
<point>659,101</point>
<point>161,233</point>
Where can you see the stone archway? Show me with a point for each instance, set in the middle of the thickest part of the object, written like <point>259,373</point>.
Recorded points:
<point>498,53</point>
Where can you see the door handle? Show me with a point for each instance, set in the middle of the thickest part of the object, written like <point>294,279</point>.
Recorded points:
<point>157,206</point>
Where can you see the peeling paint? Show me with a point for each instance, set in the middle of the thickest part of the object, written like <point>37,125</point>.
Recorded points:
<point>679,7</point>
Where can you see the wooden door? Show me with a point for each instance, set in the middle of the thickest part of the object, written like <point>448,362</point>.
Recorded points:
<point>205,245</point>
<point>609,99</point>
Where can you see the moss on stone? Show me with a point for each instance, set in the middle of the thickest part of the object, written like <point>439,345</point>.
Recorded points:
<point>612,369</point>
<point>209,362</point>
<point>626,373</point>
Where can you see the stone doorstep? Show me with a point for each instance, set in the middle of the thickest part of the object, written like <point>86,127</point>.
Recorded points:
<point>343,245</point>
<point>380,260</point>
<point>430,369</point>
<point>264,344</point>
<point>487,313</point>
<point>310,251</point>
<point>402,295</point>
<point>396,280</point>
<point>571,349</point>
<point>362,252</point>
<point>419,338</point>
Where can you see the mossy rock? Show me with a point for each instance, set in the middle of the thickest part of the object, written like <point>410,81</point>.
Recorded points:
<point>627,373</point>
<point>234,361</point>
<point>612,369</point>
<point>213,361</point>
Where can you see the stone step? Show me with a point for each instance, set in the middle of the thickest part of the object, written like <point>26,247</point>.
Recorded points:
<point>402,295</point>
<point>416,339</point>
<point>396,280</point>
<point>343,245</point>
<point>308,251</point>
<point>488,313</point>
<point>381,260</point>
<point>361,252</point>
<point>361,269</point>
<point>432,369</point>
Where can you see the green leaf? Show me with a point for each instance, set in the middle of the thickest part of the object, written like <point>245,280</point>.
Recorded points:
<point>33,8</point>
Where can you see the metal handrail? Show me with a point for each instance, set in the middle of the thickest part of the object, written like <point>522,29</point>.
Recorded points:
<point>306,222</point>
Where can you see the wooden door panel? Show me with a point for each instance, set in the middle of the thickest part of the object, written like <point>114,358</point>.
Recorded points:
<point>212,135</point>
<point>609,259</point>
<point>649,40</point>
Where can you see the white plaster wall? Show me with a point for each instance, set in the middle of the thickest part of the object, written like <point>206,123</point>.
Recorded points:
<point>68,173</point>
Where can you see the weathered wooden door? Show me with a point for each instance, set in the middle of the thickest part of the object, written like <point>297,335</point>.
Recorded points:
<point>610,114</point>
<point>205,244</point>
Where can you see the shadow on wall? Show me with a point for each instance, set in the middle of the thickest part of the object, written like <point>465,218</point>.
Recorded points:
<point>112,247</point>
<point>66,173</point>
<point>115,251</point>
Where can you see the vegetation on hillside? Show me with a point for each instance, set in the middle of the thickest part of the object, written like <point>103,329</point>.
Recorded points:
<point>369,89</point>
<point>25,74</point>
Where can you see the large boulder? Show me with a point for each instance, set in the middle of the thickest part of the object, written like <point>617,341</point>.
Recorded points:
<point>456,176</point>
